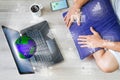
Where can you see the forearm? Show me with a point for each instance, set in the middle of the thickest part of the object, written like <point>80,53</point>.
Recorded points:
<point>111,45</point>
<point>80,3</point>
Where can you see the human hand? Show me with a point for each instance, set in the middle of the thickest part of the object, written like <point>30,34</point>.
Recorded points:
<point>91,41</point>
<point>73,14</point>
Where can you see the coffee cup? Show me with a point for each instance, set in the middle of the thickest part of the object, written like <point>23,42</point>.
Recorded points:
<point>36,9</point>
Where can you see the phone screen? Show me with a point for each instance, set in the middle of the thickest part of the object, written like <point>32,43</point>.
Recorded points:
<point>62,4</point>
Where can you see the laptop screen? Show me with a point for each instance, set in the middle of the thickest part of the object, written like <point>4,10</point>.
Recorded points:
<point>23,65</point>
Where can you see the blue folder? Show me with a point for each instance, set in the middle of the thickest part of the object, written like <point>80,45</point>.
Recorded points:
<point>100,15</point>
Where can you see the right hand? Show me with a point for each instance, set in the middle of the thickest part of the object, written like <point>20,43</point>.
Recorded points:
<point>91,41</point>
<point>73,13</point>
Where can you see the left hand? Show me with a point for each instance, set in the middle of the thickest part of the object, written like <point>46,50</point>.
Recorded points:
<point>91,41</point>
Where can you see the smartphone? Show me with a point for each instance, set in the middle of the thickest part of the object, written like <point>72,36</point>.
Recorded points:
<point>58,5</point>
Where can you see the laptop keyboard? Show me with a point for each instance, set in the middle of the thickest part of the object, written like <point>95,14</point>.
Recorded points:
<point>42,57</point>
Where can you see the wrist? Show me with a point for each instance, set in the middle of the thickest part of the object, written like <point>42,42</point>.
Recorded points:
<point>107,43</point>
<point>103,43</point>
<point>80,3</point>
<point>77,5</point>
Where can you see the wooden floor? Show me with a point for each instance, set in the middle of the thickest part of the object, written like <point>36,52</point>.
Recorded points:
<point>16,14</point>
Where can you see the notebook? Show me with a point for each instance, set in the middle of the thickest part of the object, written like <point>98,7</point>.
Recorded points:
<point>100,15</point>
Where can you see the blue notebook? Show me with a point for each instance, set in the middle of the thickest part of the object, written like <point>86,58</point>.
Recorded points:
<point>100,15</point>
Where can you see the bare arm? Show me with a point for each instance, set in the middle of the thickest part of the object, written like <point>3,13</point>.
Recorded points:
<point>80,3</point>
<point>95,41</point>
<point>111,45</point>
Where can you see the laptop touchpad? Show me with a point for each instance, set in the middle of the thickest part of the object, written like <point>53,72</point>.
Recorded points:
<point>52,46</point>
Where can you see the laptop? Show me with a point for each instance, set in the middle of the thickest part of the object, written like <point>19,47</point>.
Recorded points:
<point>47,52</point>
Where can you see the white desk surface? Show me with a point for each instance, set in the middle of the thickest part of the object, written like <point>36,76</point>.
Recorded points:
<point>16,14</point>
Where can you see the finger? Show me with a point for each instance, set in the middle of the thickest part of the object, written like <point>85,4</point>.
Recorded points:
<point>83,46</point>
<point>69,23</point>
<point>78,19</point>
<point>93,31</point>
<point>83,43</point>
<point>65,18</point>
<point>78,22</point>
<point>82,40</point>
<point>84,37</point>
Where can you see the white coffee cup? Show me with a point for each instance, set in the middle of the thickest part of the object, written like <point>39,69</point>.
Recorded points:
<point>36,9</point>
